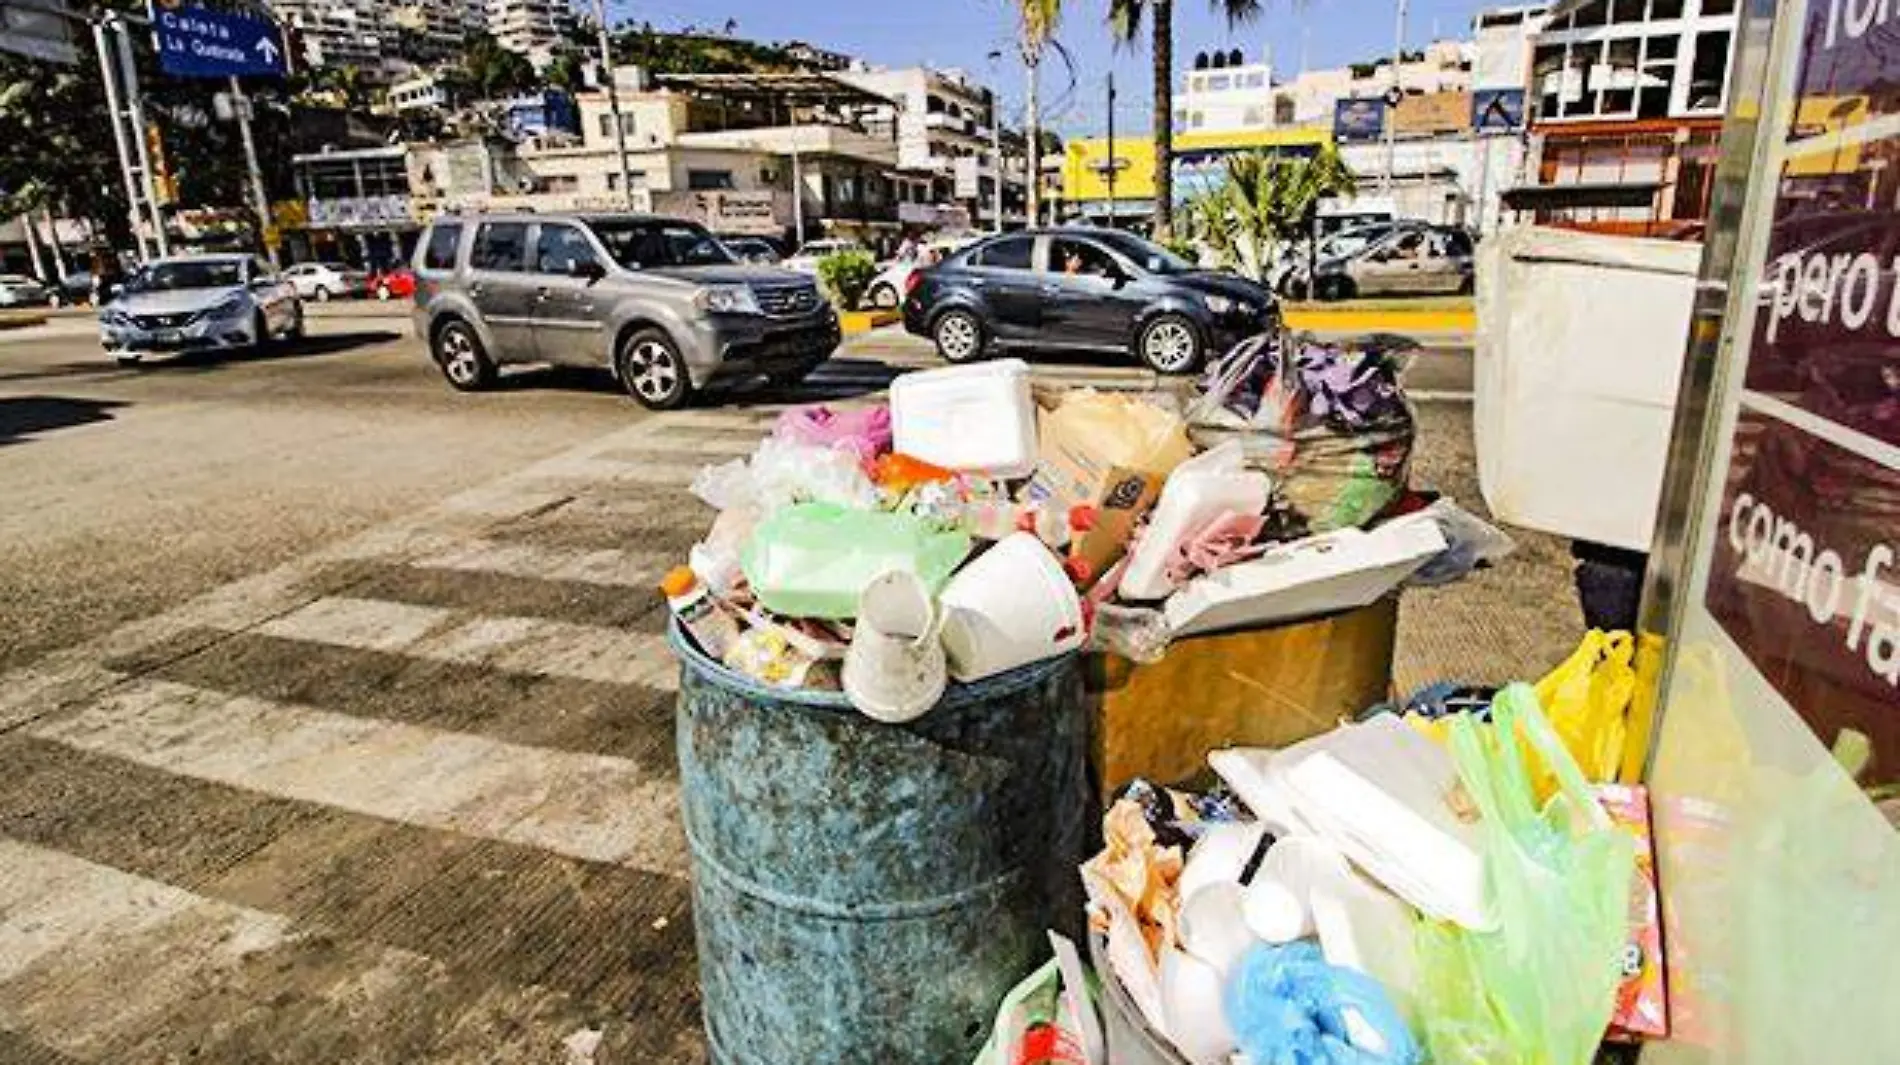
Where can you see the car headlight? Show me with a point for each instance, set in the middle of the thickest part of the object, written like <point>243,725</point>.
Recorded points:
<point>1219,304</point>
<point>727,299</point>
<point>227,308</point>
<point>116,319</point>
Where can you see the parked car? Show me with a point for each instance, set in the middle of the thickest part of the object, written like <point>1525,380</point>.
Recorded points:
<point>752,249</point>
<point>805,259</point>
<point>660,302</point>
<point>327,281</point>
<point>1288,277</point>
<point>19,290</point>
<point>1409,260</point>
<point>198,303</point>
<point>77,287</point>
<point>1083,289</point>
<point>893,280</point>
<point>395,283</point>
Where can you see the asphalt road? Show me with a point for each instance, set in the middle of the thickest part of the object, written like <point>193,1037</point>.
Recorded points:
<point>334,713</point>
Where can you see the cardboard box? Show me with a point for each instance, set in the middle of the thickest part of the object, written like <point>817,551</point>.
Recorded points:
<point>1125,497</point>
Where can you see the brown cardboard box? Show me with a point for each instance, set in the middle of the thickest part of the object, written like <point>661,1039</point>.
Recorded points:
<point>1126,496</point>
<point>1256,688</point>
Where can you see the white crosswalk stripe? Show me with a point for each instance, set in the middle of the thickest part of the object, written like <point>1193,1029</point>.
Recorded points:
<point>582,805</point>
<point>626,569</point>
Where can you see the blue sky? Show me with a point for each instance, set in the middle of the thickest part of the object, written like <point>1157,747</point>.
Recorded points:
<point>962,32</point>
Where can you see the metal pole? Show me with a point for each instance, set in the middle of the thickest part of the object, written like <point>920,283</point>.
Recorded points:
<point>29,225</point>
<point>996,134</point>
<point>1112,161</point>
<point>798,197</point>
<point>59,250</point>
<point>241,106</point>
<point>109,74</point>
<point>1392,105</point>
<point>613,102</point>
<point>135,110</point>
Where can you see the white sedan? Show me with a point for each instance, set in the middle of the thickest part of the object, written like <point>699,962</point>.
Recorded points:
<point>199,303</point>
<point>326,281</point>
<point>805,259</point>
<point>887,289</point>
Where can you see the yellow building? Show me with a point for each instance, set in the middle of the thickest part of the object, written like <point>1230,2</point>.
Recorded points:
<point>1085,162</point>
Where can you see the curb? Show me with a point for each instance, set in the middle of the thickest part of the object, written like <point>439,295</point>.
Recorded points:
<point>851,323</point>
<point>1460,321</point>
<point>21,321</point>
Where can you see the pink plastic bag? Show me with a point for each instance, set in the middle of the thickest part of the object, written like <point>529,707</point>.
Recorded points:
<point>865,430</point>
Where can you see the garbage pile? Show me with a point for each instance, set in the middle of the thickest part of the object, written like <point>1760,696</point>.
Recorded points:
<point>1452,880</point>
<point>971,526</point>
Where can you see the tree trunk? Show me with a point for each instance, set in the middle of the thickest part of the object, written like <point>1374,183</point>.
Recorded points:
<point>1162,13</point>
<point>1033,155</point>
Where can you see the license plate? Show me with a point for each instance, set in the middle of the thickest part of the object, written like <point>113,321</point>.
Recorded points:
<point>168,336</point>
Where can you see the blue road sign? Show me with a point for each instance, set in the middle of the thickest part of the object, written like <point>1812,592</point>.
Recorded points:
<point>194,42</point>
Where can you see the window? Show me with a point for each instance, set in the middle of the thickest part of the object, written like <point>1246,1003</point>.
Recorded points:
<point>1218,83</point>
<point>705,180</point>
<point>1196,120</point>
<point>1079,258</point>
<point>500,246</point>
<point>1718,7</point>
<point>1283,110</point>
<point>559,248</point>
<point>1257,80</point>
<point>1006,253</point>
<point>1619,84</point>
<point>1624,12</point>
<point>1591,14</point>
<point>1664,9</point>
<point>440,252</point>
<point>1709,71</point>
<point>560,183</point>
<point>1547,74</point>
<point>607,124</point>
<point>638,243</point>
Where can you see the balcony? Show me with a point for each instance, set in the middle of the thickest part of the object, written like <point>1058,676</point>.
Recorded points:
<point>812,140</point>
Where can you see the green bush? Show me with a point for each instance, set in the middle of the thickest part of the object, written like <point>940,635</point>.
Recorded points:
<point>845,275</point>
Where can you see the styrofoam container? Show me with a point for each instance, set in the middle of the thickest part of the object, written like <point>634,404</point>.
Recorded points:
<point>1012,606</point>
<point>1201,490</point>
<point>979,418</point>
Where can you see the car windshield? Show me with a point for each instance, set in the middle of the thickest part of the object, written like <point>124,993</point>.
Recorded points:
<point>1349,241</point>
<point>171,277</point>
<point>640,245</point>
<point>1146,253</point>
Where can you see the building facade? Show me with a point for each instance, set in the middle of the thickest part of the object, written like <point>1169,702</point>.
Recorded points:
<point>530,28</point>
<point>945,127</point>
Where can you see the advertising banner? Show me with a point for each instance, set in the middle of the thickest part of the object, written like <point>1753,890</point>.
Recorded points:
<point>1358,120</point>
<point>1497,110</point>
<point>1431,114</point>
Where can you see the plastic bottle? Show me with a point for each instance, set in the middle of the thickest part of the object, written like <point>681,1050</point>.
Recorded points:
<point>714,629</point>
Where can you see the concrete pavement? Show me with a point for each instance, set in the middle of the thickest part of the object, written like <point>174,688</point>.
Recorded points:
<point>336,719</point>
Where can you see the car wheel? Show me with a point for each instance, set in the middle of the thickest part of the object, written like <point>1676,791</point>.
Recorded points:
<point>383,293</point>
<point>1170,344</point>
<point>884,297</point>
<point>1468,285</point>
<point>1335,288</point>
<point>652,371</point>
<point>959,336</point>
<point>323,294</point>
<point>459,352</point>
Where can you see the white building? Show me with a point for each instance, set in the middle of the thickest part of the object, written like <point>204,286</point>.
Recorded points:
<point>1225,94</point>
<point>531,28</point>
<point>945,128</point>
<point>338,33</point>
<point>419,93</point>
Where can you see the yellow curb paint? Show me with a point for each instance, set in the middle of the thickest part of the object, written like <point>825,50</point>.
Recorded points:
<point>1384,321</point>
<point>851,322</point>
<point>21,320</point>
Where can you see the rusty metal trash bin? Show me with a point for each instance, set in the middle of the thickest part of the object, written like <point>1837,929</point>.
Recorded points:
<point>865,892</point>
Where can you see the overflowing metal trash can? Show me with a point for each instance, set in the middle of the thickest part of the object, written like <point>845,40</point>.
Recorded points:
<point>866,892</point>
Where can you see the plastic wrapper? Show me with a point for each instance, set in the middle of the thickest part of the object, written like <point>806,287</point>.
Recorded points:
<point>813,560</point>
<point>781,473</point>
<point>1541,988</point>
<point>863,430</point>
<point>766,656</point>
<point>1288,1006</point>
<point>1329,424</point>
<point>1138,634</point>
<point>1471,541</point>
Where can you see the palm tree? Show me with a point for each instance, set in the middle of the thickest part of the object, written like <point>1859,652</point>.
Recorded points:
<point>1124,18</point>
<point>1266,198</point>
<point>1035,27</point>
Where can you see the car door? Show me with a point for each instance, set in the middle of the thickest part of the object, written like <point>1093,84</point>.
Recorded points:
<point>568,307</point>
<point>1009,288</point>
<point>1381,270</point>
<point>269,292</point>
<point>503,290</point>
<point>1090,296</point>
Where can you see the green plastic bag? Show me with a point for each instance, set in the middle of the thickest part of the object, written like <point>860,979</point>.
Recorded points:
<point>1540,989</point>
<point>811,560</point>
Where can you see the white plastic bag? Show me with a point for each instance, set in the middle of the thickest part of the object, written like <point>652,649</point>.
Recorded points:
<point>781,473</point>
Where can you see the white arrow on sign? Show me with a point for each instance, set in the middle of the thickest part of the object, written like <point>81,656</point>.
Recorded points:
<point>267,50</point>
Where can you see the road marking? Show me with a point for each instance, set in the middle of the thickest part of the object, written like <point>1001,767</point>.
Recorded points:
<point>628,569</point>
<point>596,807</point>
<point>1427,395</point>
<point>673,471</point>
<point>365,624</point>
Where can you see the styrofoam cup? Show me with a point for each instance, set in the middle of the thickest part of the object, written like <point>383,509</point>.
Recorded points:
<point>1012,606</point>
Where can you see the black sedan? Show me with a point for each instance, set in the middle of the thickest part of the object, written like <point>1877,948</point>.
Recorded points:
<point>1083,290</point>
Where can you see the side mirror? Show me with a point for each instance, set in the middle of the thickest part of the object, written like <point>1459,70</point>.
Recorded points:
<point>586,270</point>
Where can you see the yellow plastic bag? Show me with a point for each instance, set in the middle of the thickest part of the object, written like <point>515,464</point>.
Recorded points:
<point>1587,700</point>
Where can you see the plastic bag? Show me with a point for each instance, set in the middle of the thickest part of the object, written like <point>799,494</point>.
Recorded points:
<point>1472,541</point>
<point>1587,699</point>
<point>1330,425</point>
<point>864,430</point>
<point>1288,1006</point>
<point>1540,989</point>
<point>812,560</point>
<point>781,473</point>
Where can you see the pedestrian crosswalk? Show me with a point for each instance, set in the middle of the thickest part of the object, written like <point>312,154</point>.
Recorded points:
<point>408,798</point>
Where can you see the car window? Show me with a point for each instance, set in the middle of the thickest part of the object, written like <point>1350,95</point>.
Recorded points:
<point>640,244</point>
<point>559,247</point>
<point>440,253</point>
<point>1006,253</point>
<point>1458,242</point>
<point>1152,257</point>
<point>500,246</point>
<point>1080,258</point>
<point>259,269</point>
<point>187,274</point>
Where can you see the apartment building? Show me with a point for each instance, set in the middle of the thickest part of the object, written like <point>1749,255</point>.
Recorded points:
<point>945,127</point>
<point>339,32</point>
<point>531,28</point>
<point>429,31</point>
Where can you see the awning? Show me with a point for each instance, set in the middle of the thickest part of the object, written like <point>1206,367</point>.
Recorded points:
<point>1583,194</point>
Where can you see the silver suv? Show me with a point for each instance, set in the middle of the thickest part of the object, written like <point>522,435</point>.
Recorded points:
<point>659,301</point>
